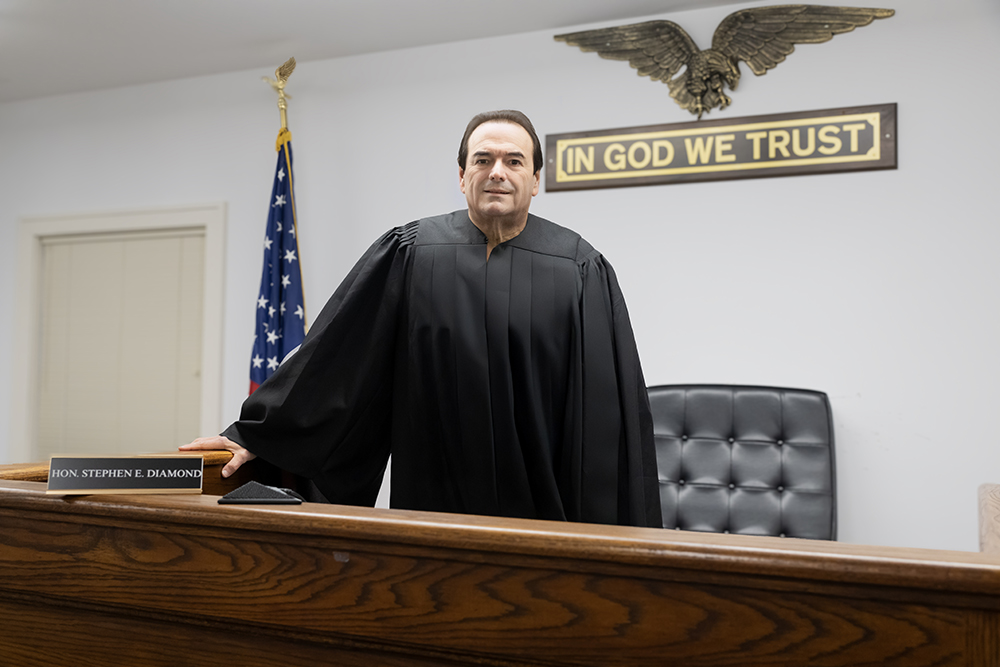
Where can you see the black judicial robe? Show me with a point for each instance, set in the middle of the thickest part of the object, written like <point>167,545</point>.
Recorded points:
<point>508,387</point>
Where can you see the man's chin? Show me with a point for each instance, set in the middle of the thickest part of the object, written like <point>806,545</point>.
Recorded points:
<point>495,210</point>
<point>497,214</point>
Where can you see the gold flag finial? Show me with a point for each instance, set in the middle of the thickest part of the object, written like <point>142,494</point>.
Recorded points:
<point>278,83</point>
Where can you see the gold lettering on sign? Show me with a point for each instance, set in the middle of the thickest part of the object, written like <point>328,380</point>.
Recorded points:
<point>778,141</point>
<point>646,155</point>
<point>835,142</point>
<point>724,143</point>
<point>666,149</point>
<point>854,128</point>
<point>614,157</point>
<point>797,144</point>
<point>584,160</point>
<point>755,137</point>
<point>698,149</point>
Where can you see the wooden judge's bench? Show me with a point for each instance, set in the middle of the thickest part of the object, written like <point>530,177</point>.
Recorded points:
<point>181,580</point>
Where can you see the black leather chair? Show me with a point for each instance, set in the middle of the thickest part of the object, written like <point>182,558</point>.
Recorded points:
<point>748,460</point>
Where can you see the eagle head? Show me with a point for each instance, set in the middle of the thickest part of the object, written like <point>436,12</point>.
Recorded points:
<point>708,72</point>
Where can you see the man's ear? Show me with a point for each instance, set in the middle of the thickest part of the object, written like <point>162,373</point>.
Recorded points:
<point>461,180</point>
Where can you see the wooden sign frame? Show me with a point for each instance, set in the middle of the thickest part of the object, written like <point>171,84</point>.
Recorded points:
<point>86,475</point>
<point>788,144</point>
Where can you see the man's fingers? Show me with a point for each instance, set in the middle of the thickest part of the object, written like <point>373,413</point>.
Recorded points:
<point>240,456</point>
<point>221,442</point>
<point>214,442</point>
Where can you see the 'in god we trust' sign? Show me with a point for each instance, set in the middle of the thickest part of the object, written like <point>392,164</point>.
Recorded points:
<point>811,142</point>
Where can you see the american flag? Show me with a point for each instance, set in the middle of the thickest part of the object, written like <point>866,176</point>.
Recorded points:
<point>281,315</point>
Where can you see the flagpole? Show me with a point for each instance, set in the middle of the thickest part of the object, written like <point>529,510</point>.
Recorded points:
<point>281,320</point>
<point>284,139</point>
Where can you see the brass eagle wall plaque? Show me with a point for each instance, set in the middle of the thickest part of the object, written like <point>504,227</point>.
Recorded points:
<point>761,37</point>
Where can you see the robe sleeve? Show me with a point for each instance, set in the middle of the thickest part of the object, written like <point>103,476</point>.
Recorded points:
<point>613,376</point>
<point>325,413</point>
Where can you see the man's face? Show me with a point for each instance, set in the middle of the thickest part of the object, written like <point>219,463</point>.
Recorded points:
<point>499,179</point>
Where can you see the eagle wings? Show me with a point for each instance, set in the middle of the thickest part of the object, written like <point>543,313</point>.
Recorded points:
<point>760,37</point>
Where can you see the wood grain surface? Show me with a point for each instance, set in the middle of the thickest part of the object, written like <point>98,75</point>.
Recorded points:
<point>25,472</point>
<point>168,577</point>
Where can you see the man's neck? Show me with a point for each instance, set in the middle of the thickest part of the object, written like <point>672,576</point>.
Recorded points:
<point>498,230</point>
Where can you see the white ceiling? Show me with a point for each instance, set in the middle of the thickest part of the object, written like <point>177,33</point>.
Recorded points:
<point>50,47</point>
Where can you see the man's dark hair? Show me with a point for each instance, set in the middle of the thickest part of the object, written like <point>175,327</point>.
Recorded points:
<point>503,116</point>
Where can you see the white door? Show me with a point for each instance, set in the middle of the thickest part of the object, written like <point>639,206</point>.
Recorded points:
<point>120,344</point>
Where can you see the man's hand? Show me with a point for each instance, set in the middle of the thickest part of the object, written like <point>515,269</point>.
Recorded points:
<point>240,455</point>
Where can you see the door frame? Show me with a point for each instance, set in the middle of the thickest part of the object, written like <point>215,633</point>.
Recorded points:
<point>211,218</point>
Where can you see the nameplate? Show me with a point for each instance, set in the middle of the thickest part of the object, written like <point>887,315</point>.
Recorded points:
<point>808,142</point>
<point>125,474</point>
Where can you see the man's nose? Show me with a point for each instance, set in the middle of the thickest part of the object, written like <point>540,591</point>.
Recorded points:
<point>498,173</point>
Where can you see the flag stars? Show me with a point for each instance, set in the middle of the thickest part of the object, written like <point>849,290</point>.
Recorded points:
<point>281,283</point>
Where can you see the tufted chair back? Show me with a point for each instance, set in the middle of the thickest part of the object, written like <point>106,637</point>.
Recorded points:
<point>748,460</point>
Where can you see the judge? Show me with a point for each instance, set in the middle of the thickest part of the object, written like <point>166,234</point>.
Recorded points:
<point>487,350</point>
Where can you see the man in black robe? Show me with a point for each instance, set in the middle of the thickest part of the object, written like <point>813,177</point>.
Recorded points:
<point>488,351</point>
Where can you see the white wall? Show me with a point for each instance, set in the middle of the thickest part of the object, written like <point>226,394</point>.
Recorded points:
<point>880,288</point>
